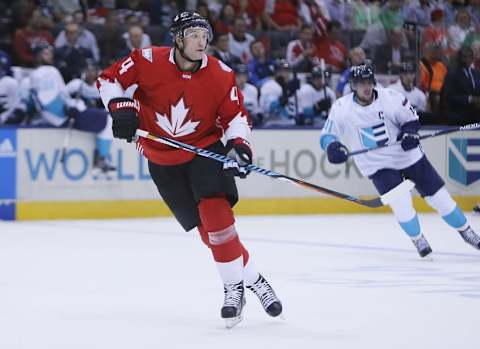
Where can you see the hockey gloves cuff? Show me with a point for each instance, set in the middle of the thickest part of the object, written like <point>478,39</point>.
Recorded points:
<point>124,112</point>
<point>337,152</point>
<point>409,136</point>
<point>238,149</point>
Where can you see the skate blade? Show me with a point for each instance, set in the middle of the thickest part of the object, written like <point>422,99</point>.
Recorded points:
<point>100,175</point>
<point>231,322</point>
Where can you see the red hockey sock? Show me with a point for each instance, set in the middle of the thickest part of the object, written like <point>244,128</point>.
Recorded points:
<point>217,219</point>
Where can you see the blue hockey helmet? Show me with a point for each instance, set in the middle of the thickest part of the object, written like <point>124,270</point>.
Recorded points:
<point>362,72</point>
<point>187,20</point>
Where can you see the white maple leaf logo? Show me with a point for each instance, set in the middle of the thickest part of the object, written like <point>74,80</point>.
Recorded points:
<point>177,126</point>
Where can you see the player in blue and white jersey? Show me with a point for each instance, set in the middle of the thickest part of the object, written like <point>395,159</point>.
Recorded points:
<point>369,117</point>
<point>11,111</point>
<point>44,91</point>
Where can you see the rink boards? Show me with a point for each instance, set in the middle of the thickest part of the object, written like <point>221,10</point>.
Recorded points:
<point>34,184</point>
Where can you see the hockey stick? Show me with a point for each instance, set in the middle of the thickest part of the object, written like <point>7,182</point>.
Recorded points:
<point>434,134</point>
<point>66,140</point>
<point>373,203</point>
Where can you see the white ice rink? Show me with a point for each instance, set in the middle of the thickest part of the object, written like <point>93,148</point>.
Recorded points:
<point>345,282</point>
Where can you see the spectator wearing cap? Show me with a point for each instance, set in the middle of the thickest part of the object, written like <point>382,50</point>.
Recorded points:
<point>71,57</point>
<point>406,86</point>
<point>250,94</point>
<point>331,49</point>
<point>25,38</point>
<point>462,90</point>
<point>222,51</point>
<point>301,53</point>
<point>259,67</point>
<point>85,38</point>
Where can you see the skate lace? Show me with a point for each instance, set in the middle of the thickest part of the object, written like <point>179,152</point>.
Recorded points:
<point>264,292</point>
<point>470,236</point>
<point>233,295</point>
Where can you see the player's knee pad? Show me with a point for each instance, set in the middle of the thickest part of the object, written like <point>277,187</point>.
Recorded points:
<point>215,213</point>
<point>441,201</point>
<point>403,208</point>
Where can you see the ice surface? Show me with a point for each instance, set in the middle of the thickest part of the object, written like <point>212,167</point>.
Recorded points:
<point>345,282</point>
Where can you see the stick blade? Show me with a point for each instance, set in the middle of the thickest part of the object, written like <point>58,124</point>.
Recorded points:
<point>397,192</point>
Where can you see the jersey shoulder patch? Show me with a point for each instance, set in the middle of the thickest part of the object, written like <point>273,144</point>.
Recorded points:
<point>147,54</point>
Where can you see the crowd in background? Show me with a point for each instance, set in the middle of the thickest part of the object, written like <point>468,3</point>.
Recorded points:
<point>291,57</point>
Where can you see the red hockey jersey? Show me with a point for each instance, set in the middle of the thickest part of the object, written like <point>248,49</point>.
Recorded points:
<point>194,108</point>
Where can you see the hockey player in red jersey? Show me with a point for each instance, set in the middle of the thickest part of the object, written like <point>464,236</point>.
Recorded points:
<point>186,95</point>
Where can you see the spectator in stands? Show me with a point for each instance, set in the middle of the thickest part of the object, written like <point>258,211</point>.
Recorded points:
<point>259,67</point>
<point>301,53</point>
<point>133,8</point>
<point>203,10</point>
<point>389,57</point>
<point>224,23</point>
<point>45,91</point>
<point>251,11</point>
<point>432,74</point>
<point>474,10</point>
<point>240,40</point>
<point>331,49</point>
<point>135,37</point>
<point>419,12</point>
<point>110,40</point>
<point>390,18</point>
<point>85,39</point>
<point>364,14</point>
<point>315,98</point>
<point>222,51</point>
<point>406,86</point>
<point>64,8</point>
<point>250,94</point>
<point>11,111</point>
<point>71,58</point>
<point>356,57</point>
<point>458,31</point>
<point>450,8</point>
<point>98,11</point>
<point>436,32</point>
<point>341,11</point>
<point>462,90</point>
<point>32,33</point>
<point>282,15</point>
<point>162,12</point>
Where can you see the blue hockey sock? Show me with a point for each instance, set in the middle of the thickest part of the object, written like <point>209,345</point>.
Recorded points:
<point>456,219</point>
<point>103,146</point>
<point>411,227</point>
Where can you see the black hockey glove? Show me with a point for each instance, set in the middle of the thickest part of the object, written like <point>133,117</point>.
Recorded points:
<point>337,152</point>
<point>409,135</point>
<point>16,117</point>
<point>323,105</point>
<point>239,150</point>
<point>124,112</point>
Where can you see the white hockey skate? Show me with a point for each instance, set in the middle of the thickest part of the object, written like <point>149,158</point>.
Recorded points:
<point>233,304</point>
